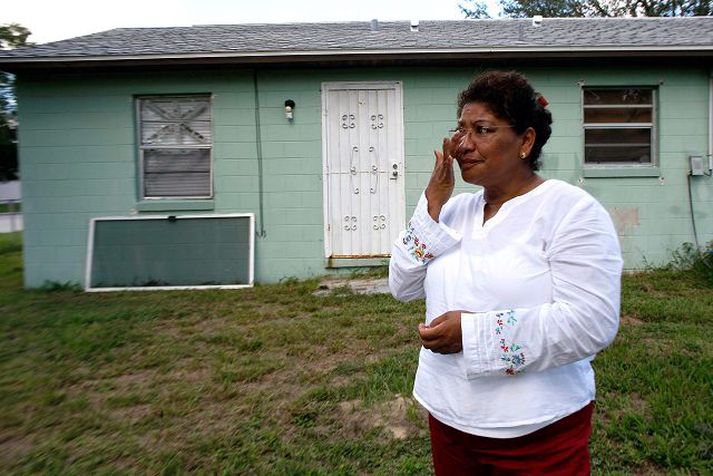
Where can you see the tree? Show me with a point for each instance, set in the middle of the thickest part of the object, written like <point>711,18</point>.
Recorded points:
<point>591,8</point>
<point>11,36</point>
<point>476,9</point>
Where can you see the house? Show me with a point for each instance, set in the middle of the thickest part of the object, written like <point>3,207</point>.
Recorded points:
<point>314,141</point>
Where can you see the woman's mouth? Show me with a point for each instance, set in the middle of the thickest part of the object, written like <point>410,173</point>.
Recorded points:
<point>467,162</point>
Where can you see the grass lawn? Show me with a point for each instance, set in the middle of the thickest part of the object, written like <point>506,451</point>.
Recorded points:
<point>276,380</point>
<point>10,207</point>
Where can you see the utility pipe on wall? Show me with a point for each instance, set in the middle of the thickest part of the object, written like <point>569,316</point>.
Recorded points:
<point>258,149</point>
<point>710,121</point>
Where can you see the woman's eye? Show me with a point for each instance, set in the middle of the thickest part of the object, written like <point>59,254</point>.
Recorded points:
<point>482,130</point>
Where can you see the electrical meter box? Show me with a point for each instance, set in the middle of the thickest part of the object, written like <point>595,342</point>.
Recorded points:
<point>697,167</point>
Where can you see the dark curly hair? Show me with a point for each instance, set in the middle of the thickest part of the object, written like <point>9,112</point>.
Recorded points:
<point>510,96</point>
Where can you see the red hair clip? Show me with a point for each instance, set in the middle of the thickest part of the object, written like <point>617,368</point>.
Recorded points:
<point>541,100</point>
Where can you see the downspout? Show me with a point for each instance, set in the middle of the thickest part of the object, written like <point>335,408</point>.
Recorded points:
<point>708,164</point>
<point>258,149</point>
<point>709,156</point>
<point>710,122</point>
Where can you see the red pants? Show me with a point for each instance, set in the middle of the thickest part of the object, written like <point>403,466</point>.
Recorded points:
<point>557,449</point>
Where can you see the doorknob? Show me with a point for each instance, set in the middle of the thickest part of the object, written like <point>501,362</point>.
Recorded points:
<point>394,171</point>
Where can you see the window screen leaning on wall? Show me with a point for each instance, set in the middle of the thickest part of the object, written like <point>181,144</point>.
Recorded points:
<point>619,126</point>
<point>175,146</point>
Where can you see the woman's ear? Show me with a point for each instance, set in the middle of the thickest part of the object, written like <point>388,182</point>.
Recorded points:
<point>528,141</point>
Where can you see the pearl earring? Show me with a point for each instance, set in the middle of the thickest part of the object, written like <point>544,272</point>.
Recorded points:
<point>522,155</point>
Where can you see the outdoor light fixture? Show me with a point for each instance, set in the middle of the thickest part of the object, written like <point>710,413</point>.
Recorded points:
<point>289,107</point>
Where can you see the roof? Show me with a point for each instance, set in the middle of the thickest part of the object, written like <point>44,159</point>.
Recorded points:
<point>294,41</point>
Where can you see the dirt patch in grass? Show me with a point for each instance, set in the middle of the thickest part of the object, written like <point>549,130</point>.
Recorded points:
<point>393,416</point>
<point>132,415</point>
<point>648,469</point>
<point>139,379</point>
<point>357,286</point>
<point>661,345</point>
<point>97,391</point>
<point>638,404</point>
<point>628,320</point>
<point>208,325</point>
<point>282,387</point>
<point>13,446</point>
<point>344,380</point>
<point>217,418</point>
<point>199,375</point>
<point>328,372</point>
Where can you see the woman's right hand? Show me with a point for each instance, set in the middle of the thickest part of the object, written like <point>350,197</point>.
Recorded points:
<point>440,186</point>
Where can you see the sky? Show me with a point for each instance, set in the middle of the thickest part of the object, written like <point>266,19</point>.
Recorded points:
<point>52,20</point>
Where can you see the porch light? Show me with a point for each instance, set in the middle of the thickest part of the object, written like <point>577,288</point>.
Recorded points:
<point>289,107</point>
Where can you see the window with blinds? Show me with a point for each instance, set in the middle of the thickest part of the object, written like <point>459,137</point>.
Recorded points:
<point>619,126</point>
<point>175,146</point>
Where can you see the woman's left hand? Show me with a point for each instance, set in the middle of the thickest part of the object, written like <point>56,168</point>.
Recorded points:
<point>443,335</point>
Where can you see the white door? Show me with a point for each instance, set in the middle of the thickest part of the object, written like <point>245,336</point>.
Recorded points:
<point>363,168</point>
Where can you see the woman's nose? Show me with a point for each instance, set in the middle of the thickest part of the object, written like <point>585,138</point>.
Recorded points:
<point>466,141</point>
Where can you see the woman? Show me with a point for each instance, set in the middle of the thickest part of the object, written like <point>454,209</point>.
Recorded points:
<point>522,288</point>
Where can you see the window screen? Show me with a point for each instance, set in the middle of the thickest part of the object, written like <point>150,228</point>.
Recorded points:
<point>619,125</point>
<point>175,146</point>
<point>170,252</point>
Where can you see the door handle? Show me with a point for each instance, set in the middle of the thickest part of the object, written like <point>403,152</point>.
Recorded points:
<point>394,172</point>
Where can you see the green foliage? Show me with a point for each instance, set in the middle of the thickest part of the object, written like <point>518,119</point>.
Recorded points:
<point>590,8</point>
<point>54,286</point>
<point>8,152</point>
<point>552,8</point>
<point>12,35</point>
<point>700,262</point>
<point>11,207</point>
<point>475,9</point>
<point>10,243</point>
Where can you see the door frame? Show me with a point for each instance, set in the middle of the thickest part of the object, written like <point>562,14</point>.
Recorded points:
<point>328,86</point>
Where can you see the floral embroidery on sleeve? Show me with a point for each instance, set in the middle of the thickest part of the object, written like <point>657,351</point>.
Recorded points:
<point>416,247</point>
<point>509,351</point>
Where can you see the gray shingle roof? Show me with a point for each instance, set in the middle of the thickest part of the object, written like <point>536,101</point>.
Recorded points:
<point>283,40</point>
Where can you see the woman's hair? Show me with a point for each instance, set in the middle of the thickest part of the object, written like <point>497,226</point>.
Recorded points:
<point>510,97</point>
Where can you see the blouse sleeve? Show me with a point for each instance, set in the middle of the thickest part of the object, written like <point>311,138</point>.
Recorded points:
<point>582,318</point>
<point>422,241</point>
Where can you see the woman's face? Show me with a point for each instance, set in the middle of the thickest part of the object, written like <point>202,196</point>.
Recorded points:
<point>488,149</point>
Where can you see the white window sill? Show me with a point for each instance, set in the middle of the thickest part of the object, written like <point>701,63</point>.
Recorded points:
<point>174,205</point>
<point>621,171</point>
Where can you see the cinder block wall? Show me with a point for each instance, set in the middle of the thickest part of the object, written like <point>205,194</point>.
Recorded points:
<point>652,214</point>
<point>79,159</point>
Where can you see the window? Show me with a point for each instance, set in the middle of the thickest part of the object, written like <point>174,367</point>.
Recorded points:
<point>175,146</point>
<point>619,126</point>
<point>170,252</point>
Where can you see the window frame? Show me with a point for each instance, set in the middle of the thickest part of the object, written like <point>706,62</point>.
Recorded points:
<point>91,234</point>
<point>650,168</point>
<point>141,148</point>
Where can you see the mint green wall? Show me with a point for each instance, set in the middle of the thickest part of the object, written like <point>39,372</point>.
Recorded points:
<point>652,214</point>
<point>78,156</point>
<point>79,161</point>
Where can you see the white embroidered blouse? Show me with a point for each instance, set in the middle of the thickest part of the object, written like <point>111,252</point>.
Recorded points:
<point>541,281</point>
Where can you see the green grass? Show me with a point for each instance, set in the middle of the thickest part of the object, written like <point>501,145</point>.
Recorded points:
<point>275,380</point>
<point>10,207</point>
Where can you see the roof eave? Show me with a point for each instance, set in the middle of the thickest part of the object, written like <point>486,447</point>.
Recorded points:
<point>273,57</point>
